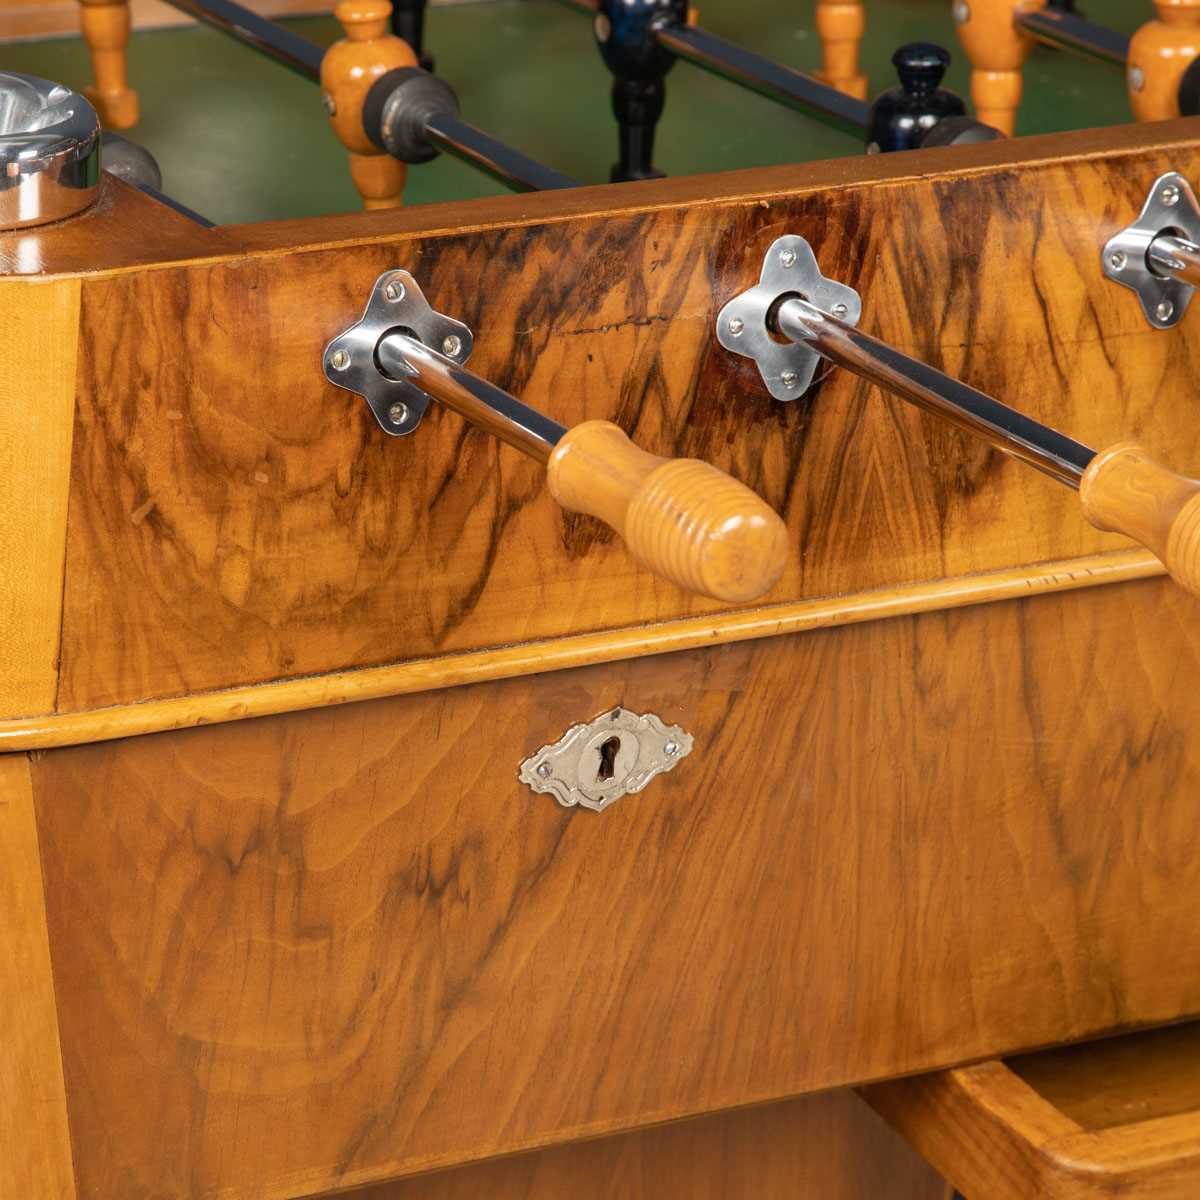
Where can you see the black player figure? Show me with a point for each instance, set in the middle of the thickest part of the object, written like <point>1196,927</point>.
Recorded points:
<point>625,33</point>
<point>901,117</point>
<point>408,22</point>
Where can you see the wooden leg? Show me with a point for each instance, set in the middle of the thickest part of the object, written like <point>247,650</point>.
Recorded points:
<point>997,51</point>
<point>840,24</point>
<point>106,31</point>
<point>348,70</point>
<point>1159,54</point>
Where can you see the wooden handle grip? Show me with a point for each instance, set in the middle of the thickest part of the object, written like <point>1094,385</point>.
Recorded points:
<point>1127,490</point>
<point>681,518</point>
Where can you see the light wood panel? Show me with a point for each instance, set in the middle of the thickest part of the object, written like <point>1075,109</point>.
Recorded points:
<point>531,658</point>
<point>1090,1122</point>
<point>35,1151</point>
<point>208,478</point>
<point>829,1147</point>
<point>332,948</point>
<point>40,324</point>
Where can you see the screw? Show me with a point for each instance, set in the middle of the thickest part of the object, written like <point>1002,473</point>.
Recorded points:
<point>736,325</point>
<point>670,749</point>
<point>787,257</point>
<point>1165,311</point>
<point>962,12</point>
<point>1137,78</point>
<point>452,345</point>
<point>339,360</point>
<point>544,770</point>
<point>1117,260</point>
<point>1169,195</point>
<point>394,291</point>
<point>398,413</point>
<point>840,310</point>
<point>328,102</point>
<point>790,379</point>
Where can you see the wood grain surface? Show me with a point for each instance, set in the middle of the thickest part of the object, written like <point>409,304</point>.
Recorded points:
<point>829,1147</point>
<point>40,324</point>
<point>1113,1118</point>
<point>35,1151</point>
<point>337,947</point>
<point>215,469</point>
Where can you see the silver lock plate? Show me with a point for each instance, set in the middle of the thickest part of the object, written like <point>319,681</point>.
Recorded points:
<point>1171,208</point>
<point>790,269</point>
<point>396,304</point>
<point>615,755</point>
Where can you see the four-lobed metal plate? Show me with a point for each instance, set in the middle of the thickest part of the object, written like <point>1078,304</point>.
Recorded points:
<point>396,303</point>
<point>1170,208</point>
<point>790,269</point>
<point>615,755</point>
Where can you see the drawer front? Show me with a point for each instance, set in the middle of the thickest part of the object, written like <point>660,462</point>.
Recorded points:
<point>336,947</point>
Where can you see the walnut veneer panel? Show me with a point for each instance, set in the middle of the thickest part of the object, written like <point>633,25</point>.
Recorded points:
<point>331,948</point>
<point>829,1147</point>
<point>234,518</point>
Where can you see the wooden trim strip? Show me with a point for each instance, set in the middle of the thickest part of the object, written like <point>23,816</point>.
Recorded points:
<point>559,654</point>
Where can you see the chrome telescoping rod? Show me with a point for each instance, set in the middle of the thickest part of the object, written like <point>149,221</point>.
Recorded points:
<point>257,32</point>
<point>1175,258</point>
<point>483,404</point>
<point>1015,434</point>
<point>1066,31</point>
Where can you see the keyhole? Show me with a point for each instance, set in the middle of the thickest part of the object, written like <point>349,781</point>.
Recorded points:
<point>608,759</point>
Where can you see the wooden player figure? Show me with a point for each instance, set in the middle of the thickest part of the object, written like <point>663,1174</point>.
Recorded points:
<point>840,24</point>
<point>348,70</point>
<point>997,50</point>
<point>1159,54</point>
<point>105,26</point>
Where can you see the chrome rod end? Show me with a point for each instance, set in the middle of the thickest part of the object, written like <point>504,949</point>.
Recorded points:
<point>1170,209</point>
<point>789,270</point>
<point>396,304</point>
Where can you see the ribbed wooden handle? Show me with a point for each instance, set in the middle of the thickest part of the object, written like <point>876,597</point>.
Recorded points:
<point>681,518</point>
<point>1127,490</point>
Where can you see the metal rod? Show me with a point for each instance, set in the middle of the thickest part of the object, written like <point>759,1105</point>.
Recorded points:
<point>749,70</point>
<point>482,403</point>
<point>1175,257</point>
<point>258,33</point>
<point>1066,31</point>
<point>1008,430</point>
<point>170,202</point>
<point>793,88</point>
<point>499,160</point>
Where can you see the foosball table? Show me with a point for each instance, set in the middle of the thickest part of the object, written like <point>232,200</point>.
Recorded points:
<point>578,691</point>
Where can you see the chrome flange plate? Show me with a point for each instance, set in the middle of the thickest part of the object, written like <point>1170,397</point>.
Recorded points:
<point>397,304</point>
<point>1171,208</point>
<point>790,269</point>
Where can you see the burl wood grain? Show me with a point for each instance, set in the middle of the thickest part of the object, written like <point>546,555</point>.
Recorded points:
<point>829,1147</point>
<point>336,947</point>
<point>237,519</point>
<point>1111,1118</point>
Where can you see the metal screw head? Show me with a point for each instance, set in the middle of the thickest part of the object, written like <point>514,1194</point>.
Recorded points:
<point>962,12</point>
<point>544,770</point>
<point>339,360</point>
<point>1137,78</point>
<point>394,291</point>
<point>787,257</point>
<point>452,345</point>
<point>1169,195</point>
<point>1117,260</point>
<point>398,413</point>
<point>327,102</point>
<point>840,310</point>
<point>736,325</point>
<point>1165,311</point>
<point>790,378</point>
<point>670,749</point>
